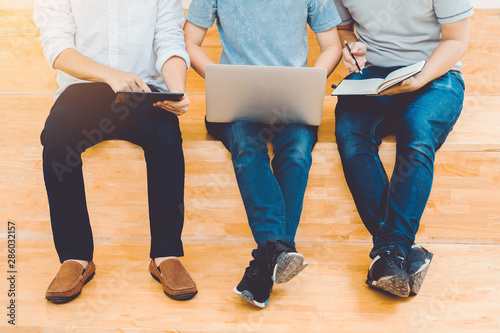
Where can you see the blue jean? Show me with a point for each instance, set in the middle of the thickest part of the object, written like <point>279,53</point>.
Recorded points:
<point>391,210</point>
<point>272,198</point>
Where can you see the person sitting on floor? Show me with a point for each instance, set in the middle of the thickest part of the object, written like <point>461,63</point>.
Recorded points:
<point>420,110</point>
<point>99,48</point>
<point>268,33</point>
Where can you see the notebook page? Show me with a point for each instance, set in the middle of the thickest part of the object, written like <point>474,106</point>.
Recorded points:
<point>401,74</point>
<point>358,87</point>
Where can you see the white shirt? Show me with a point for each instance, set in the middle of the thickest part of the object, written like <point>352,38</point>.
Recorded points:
<point>128,35</point>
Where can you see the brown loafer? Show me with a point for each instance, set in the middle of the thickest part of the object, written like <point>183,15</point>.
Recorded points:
<point>176,282</point>
<point>69,281</point>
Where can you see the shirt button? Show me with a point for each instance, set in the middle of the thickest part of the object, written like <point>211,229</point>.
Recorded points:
<point>113,58</point>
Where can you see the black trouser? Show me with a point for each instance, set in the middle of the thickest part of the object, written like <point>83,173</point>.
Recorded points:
<point>85,115</point>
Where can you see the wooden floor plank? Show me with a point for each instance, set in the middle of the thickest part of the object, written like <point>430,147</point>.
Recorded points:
<point>463,206</point>
<point>460,224</point>
<point>24,69</point>
<point>462,289</point>
<point>22,120</point>
<point>460,293</point>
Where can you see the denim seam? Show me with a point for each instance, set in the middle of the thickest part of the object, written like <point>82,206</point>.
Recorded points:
<point>452,121</point>
<point>387,203</point>
<point>445,129</point>
<point>372,135</point>
<point>283,217</point>
<point>456,77</point>
<point>382,172</point>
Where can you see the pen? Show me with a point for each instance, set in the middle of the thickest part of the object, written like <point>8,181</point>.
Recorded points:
<point>352,55</point>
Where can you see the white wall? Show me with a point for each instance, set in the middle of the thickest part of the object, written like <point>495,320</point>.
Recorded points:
<point>475,3</point>
<point>486,3</point>
<point>26,4</point>
<point>18,4</point>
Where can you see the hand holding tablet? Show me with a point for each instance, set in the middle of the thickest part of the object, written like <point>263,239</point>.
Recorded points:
<point>146,98</point>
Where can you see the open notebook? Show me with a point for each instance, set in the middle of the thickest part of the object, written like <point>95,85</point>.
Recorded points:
<point>376,86</point>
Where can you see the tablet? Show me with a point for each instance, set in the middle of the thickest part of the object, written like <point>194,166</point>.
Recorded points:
<point>146,98</point>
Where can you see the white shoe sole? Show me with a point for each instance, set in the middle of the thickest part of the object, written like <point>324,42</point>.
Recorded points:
<point>417,278</point>
<point>398,284</point>
<point>248,296</point>
<point>288,265</point>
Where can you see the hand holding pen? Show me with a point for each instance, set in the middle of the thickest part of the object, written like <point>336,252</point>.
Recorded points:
<point>354,58</point>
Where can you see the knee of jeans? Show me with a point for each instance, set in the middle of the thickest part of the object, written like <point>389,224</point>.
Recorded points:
<point>244,154</point>
<point>417,147</point>
<point>299,156</point>
<point>164,136</point>
<point>419,143</point>
<point>342,133</point>
<point>416,152</point>
<point>53,134</point>
<point>346,141</point>
<point>60,146</point>
<point>349,146</point>
<point>295,149</point>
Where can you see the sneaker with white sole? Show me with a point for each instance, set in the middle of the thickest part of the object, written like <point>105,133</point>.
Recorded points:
<point>274,261</point>
<point>256,285</point>
<point>388,272</point>
<point>285,259</point>
<point>417,266</point>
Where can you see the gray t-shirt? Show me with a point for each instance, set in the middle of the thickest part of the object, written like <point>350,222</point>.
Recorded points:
<point>401,32</point>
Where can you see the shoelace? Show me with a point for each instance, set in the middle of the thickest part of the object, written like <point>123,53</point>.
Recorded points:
<point>394,260</point>
<point>266,259</point>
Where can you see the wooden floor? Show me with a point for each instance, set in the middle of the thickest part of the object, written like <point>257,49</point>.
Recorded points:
<point>461,224</point>
<point>460,294</point>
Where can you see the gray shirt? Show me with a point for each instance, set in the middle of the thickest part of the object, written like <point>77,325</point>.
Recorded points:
<point>401,32</point>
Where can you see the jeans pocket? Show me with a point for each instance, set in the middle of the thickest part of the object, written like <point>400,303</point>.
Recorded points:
<point>458,78</point>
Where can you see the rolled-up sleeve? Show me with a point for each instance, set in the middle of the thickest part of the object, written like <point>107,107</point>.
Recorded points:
<point>57,27</point>
<point>169,36</point>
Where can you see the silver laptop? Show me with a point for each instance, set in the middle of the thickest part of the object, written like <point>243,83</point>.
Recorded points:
<point>265,94</point>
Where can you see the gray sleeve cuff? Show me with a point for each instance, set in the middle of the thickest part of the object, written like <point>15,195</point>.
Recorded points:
<point>456,17</point>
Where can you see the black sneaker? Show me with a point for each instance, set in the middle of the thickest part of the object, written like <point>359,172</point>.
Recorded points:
<point>285,261</point>
<point>256,285</point>
<point>418,264</point>
<point>274,261</point>
<point>388,272</point>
